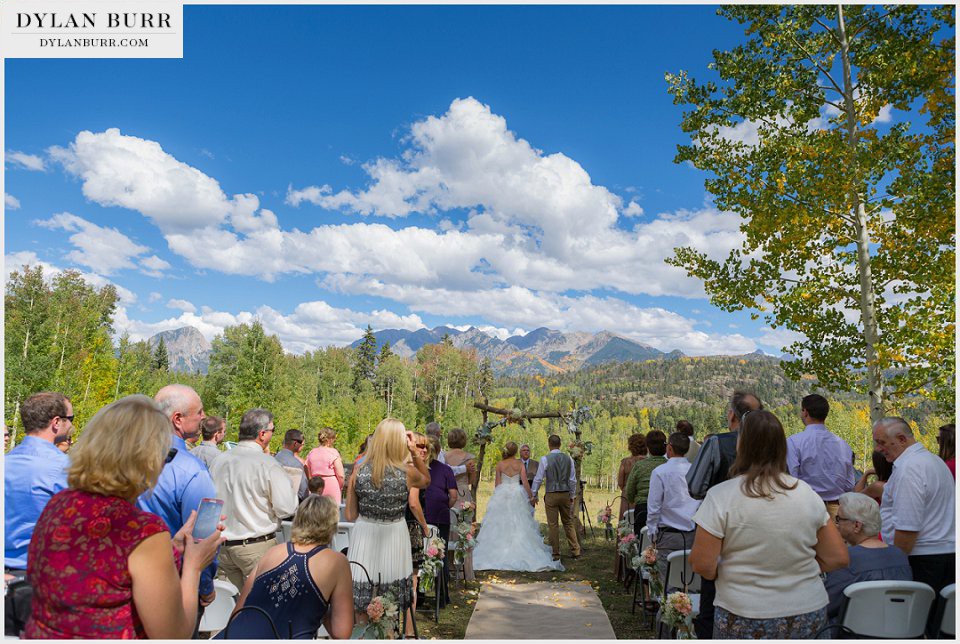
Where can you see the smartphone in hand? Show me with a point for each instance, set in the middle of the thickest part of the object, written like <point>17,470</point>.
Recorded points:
<point>208,516</point>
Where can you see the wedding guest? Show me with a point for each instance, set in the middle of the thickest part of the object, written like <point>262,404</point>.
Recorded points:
<point>100,567</point>
<point>819,457</point>
<point>213,429</point>
<point>858,521</point>
<point>685,427</point>
<point>881,471</point>
<point>289,456</point>
<point>417,527</point>
<point>320,588</point>
<point>638,483</point>
<point>315,485</point>
<point>670,507</point>
<point>376,500</point>
<point>919,506</point>
<point>947,439</point>
<point>765,537</point>
<point>324,460</point>
<point>441,495</point>
<point>637,444</point>
<point>463,465</point>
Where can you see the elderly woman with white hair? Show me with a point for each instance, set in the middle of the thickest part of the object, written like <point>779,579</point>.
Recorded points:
<point>858,520</point>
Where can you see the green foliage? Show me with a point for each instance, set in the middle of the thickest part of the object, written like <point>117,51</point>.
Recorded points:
<point>161,359</point>
<point>364,369</point>
<point>848,222</point>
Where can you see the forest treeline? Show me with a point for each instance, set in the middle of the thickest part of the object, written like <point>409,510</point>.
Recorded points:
<point>59,336</point>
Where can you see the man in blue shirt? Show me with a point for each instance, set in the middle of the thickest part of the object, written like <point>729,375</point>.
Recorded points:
<point>184,480</point>
<point>33,471</point>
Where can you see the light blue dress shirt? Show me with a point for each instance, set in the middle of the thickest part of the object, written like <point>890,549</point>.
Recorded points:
<point>33,472</point>
<point>182,483</point>
<point>823,460</point>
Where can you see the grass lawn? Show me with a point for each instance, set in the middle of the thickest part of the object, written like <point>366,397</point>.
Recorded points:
<point>595,566</point>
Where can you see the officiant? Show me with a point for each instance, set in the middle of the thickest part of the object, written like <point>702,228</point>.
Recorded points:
<point>531,466</point>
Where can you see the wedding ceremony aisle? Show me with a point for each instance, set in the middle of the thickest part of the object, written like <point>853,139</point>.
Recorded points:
<point>539,610</point>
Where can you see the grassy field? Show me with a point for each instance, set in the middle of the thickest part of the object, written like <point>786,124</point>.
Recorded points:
<point>595,566</point>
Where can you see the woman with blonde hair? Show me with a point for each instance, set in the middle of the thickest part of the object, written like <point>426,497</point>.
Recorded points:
<point>100,567</point>
<point>376,500</point>
<point>324,460</point>
<point>319,591</point>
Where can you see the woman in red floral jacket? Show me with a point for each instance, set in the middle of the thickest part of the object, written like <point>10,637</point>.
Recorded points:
<point>100,567</point>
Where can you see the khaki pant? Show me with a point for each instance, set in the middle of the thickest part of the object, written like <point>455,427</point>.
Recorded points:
<point>557,505</point>
<point>238,562</point>
<point>832,508</point>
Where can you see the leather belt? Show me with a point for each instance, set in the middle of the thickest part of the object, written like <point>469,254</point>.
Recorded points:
<point>248,541</point>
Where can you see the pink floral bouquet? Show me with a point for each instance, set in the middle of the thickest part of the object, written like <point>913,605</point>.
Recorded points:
<point>678,614</point>
<point>384,613</point>
<point>605,517</point>
<point>646,563</point>
<point>628,545</point>
<point>432,563</point>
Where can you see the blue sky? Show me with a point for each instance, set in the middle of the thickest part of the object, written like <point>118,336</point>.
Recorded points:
<point>325,167</point>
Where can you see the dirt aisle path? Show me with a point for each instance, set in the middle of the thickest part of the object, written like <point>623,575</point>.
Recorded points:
<point>541,611</point>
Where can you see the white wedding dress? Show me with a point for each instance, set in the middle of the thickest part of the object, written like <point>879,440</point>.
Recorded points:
<point>509,537</point>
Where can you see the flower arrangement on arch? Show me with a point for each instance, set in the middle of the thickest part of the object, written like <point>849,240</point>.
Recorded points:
<point>432,563</point>
<point>677,613</point>
<point>384,613</point>
<point>576,450</point>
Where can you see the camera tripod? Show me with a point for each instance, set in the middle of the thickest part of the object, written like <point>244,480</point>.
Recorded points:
<point>584,513</point>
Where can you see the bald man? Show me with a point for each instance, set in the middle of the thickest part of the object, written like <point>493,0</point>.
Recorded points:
<point>185,480</point>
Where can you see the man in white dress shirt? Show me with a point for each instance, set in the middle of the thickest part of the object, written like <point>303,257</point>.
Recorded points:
<point>257,494</point>
<point>918,508</point>
<point>561,483</point>
<point>670,508</point>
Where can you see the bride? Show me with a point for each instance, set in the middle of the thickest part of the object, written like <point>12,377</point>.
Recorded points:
<point>509,537</point>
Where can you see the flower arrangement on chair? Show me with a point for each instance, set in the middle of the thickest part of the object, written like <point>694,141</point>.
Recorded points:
<point>384,613</point>
<point>466,532</point>
<point>646,562</point>
<point>605,518</point>
<point>677,615</point>
<point>432,563</point>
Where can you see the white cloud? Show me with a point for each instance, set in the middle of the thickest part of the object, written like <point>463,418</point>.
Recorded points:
<point>16,261</point>
<point>11,202</point>
<point>885,115</point>
<point>310,326</point>
<point>25,161</point>
<point>154,297</point>
<point>105,250</point>
<point>633,209</point>
<point>779,338</point>
<point>153,266</point>
<point>346,160</point>
<point>183,305</point>
<point>119,170</point>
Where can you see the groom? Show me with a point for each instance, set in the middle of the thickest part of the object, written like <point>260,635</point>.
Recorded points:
<point>558,469</point>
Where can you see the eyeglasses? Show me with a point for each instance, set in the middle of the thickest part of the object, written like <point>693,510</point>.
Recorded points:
<point>422,446</point>
<point>70,418</point>
<point>838,519</point>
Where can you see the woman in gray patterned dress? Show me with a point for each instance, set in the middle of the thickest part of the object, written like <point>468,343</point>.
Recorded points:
<point>376,499</point>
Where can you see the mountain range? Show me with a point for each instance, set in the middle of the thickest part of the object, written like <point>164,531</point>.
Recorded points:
<point>540,351</point>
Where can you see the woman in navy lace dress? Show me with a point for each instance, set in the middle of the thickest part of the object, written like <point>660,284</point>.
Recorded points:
<point>301,584</point>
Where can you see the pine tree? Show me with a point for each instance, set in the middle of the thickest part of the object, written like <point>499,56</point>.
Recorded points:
<point>161,359</point>
<point>365,357</point>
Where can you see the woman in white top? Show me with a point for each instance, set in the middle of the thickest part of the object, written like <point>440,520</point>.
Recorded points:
<point>766,536</point>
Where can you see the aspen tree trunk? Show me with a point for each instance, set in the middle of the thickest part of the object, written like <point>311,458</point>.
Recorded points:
<point>868,314</point>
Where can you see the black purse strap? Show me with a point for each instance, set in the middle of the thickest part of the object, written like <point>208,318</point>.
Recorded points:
<point>256,609</point>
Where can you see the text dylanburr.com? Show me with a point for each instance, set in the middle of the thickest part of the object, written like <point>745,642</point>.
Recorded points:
<point>91,29</point>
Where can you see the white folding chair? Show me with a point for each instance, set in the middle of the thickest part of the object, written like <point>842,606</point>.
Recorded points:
<point>628,515</point>
<point>217,614</point>
<point>341,539</point>
<point>887,609</point>
<point>680,576</point>
<point>948,622</point>
<point>286,529</point>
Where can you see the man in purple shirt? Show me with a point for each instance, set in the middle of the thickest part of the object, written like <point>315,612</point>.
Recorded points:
<point>818,457</point>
